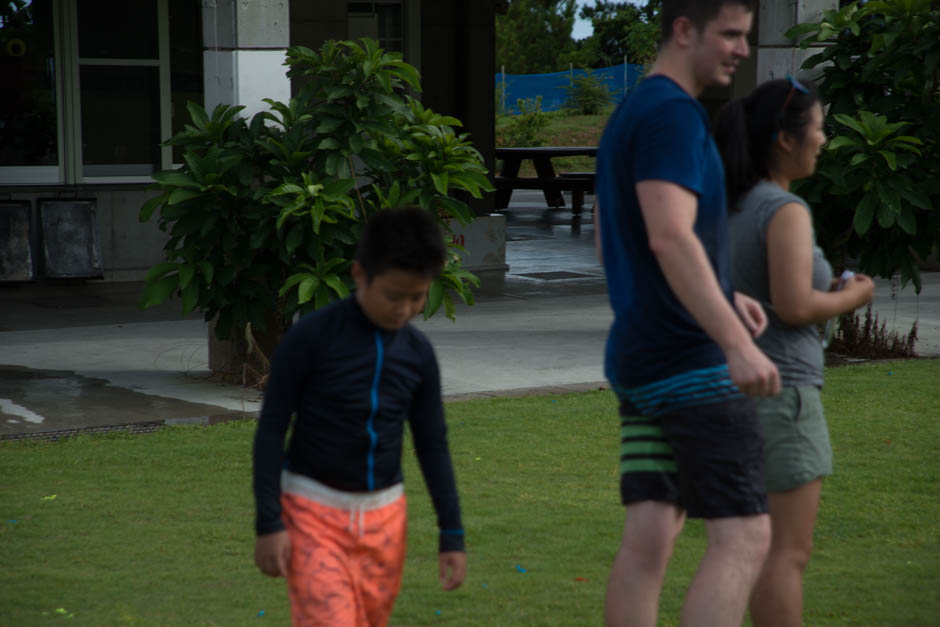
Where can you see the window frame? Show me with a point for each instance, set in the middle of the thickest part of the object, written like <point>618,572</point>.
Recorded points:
<point>68,103</point>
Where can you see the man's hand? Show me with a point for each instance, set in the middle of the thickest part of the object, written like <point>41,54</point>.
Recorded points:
<point>272,553</point>
<point>452,568</point>
<point>751,313</point>
<point>752,371</point>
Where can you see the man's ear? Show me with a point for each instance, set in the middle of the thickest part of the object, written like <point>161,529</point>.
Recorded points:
<point>683,31</point>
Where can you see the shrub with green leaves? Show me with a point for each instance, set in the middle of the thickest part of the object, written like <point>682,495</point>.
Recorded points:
<point>877,186</point>
<point>523,128</point>
<point>587,95</point>
<point>264,215</point>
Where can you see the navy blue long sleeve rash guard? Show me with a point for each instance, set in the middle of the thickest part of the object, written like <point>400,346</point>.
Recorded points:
<point>352,386</point>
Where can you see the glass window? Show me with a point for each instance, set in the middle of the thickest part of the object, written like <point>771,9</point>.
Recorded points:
<point>120,120</point>
<point>117,29</point>
<point>90,88</point>
<point>186,77</point>
<point>28,135</point>
<point>386,26</point>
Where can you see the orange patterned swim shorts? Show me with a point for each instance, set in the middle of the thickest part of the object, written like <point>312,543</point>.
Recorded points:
<point>347,552</point>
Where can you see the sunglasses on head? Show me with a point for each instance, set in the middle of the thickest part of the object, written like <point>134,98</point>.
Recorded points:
<point>795,86</point>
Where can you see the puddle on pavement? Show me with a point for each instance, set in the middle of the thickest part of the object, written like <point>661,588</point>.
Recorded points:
<point>39,401</point>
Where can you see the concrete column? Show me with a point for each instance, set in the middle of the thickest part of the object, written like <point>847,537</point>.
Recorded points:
<point>244,48</point>
<point>777,55</point>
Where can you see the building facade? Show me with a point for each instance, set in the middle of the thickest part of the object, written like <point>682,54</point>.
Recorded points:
<point>92,87</point>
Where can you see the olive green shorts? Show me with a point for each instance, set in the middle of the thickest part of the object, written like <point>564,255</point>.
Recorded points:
<point>796,438</point>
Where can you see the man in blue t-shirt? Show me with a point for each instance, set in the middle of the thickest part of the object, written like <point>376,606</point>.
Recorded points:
<point>680,354</point>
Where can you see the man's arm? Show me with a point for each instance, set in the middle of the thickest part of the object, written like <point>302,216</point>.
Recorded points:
<point>669,213</point>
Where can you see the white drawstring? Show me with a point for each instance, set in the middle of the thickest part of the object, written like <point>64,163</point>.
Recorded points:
<point>352,520</point>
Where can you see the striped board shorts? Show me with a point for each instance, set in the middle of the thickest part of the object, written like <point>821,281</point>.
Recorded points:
<point>347,552</point>
<point>693,440</point>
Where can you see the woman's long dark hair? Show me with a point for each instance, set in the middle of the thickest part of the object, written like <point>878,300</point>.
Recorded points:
<point>746,129</point>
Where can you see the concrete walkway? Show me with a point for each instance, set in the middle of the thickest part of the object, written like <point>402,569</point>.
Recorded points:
<point>83,357</point>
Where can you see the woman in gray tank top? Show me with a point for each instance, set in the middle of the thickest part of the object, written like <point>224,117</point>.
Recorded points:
<point>769,139</point>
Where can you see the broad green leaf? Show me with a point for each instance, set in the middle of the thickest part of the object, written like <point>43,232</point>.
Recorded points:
<point>841,141</point>
<point>291,281</point>
<point>440,182</point>
<point>916,197</point>
<point>910,139</point>
<point>157,292</point>
<point>890,200</point>
<point>198,114</point>
<point>328,125</point>
<point>187,272</point>
<point>171,178</point>
<point>864,214</point>
<point>858,158</point>
<point>846,120</point>
<point>890,158</point>
<point>160,269</point>
<point>306,289</point>
<point>908,221</point>
<point>207,270</point>
<point>337,285</point>
<point>150,206</point>
<point>407,73</point>
<point>886,217</point>
<point>435,296</point>
<point>179,195</point>
<point>328,143</point>
<point>294,237</point>
<point>190,295</point>
<point>322,296</point>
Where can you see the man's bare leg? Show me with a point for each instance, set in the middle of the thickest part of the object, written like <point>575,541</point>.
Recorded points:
<point>733,559</point>
<point>636,577</point>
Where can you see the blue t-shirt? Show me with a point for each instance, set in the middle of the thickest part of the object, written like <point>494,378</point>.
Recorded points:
<point>658,133</point>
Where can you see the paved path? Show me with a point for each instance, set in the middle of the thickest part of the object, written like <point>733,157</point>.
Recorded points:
<point>83,356</point>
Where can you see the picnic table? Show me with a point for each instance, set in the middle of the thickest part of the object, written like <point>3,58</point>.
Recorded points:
<point>551,183</point>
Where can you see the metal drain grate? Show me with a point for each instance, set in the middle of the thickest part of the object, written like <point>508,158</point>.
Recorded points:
<point>554,276</point>
<point>139,427</point>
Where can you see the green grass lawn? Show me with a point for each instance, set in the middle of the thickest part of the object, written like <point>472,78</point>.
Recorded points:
<point>157,529</point>
<point>564,129</point>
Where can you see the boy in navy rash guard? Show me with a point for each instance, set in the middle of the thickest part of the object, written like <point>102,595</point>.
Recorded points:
<point>331,510</point>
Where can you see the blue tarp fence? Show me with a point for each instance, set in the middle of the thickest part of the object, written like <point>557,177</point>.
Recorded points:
<point>551,87</point>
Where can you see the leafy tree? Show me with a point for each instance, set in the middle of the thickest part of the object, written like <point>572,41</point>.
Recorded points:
<point>533,34</point>
<point>621,30</point>
<point>588,95</point>
<point>877,185</point>
<point>264,215</point>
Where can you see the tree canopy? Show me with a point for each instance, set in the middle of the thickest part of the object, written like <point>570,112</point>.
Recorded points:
<point>533,34</point>
<point>621,30</point>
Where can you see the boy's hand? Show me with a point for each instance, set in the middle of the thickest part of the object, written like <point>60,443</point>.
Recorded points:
<point>272,553</point>
<point>452,568</point>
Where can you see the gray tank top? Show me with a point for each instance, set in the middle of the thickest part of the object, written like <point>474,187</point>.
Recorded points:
<point>796,350</point>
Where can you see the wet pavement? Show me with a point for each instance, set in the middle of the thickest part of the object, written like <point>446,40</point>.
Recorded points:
<point>82,357</point>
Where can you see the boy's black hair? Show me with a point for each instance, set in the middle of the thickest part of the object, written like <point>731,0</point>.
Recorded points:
<point>699,12</point>
<point>746,129</point>
<point>407,238</point>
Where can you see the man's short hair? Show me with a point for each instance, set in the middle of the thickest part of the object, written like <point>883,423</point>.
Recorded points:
<point>407,238</point>
<point>699,12</point>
